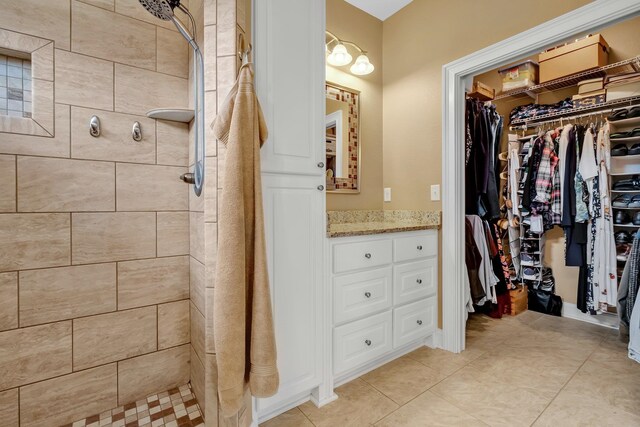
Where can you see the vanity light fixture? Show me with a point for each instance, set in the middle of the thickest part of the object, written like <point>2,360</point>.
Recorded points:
<point>339,56</point>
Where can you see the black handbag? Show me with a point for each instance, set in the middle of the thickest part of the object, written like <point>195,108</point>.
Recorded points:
<point>545,302</point>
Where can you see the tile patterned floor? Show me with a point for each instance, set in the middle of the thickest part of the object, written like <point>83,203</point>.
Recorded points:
<point>173,408</point>
<point>525,370</point>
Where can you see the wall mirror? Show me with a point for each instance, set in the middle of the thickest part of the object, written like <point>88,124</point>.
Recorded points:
<point>342,122</point>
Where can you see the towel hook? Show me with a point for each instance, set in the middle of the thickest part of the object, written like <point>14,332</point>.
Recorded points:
<point>243,49</point>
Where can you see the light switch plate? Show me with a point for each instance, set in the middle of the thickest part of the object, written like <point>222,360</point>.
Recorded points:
<point>435,192</point>
<point>387,194</point>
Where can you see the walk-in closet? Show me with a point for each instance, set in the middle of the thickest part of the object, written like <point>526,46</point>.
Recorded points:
<point>552,184</point>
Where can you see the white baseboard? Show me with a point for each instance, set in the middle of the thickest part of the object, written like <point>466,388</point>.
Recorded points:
<point>607,320</point>
<point>321,403</point>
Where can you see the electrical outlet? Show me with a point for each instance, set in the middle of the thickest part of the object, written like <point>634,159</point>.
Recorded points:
<point>435,192</point>
<point>387,194</point>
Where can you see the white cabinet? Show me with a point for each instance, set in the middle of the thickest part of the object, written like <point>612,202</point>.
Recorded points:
<point>290,88</point>
<point>384,298</point>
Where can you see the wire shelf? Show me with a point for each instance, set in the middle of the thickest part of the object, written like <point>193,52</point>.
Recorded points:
<point>630,65</point>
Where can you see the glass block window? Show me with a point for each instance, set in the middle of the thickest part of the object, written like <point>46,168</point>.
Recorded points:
<point>15,86</point>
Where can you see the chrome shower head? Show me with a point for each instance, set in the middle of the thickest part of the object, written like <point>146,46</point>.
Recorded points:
<point>162,9</point>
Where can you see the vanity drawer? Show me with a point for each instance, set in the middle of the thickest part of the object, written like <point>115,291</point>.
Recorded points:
<point>414,321</point>
<point>415,247</point>
<point>360,294</point>
<point>415,280</point>
<point>360,255</point>
<point>359,342</point>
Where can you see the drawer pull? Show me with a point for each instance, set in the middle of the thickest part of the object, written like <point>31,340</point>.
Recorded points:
<point>367,294</point>
<point>367,342</point>
<point>419,281</point>
<point>419,322</point>
<point>367,256</point>
<point>419,247</point>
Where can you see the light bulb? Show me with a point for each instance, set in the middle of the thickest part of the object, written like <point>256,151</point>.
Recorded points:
<point>362,66</point>
<point>339,56</point>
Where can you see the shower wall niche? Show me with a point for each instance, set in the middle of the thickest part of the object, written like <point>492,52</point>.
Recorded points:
<point>94,231</point>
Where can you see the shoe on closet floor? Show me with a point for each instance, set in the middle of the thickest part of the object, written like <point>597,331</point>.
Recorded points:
<point>619,150</point>
<point>634,150</point>
<point>621,217</point>
<point>635,202</point>
<point>622,201</point>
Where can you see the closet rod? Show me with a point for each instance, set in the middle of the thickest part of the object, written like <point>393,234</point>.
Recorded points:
<point>560,120</point>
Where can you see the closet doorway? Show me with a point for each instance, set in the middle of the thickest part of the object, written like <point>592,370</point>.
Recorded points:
<point>457,76</point>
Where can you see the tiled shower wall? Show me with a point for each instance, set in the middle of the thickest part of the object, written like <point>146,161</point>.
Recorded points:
<point>94,232</point>
<point>222,21</point>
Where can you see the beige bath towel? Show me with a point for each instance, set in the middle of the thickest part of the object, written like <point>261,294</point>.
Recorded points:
<point>243,321</point>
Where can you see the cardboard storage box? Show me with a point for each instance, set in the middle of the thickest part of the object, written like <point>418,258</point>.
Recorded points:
<point>482,91</point>
<point>591,85</point>
<point>590,52</point>
<point>519,76</point>
<point>519,299</point>
<point>589,101</point>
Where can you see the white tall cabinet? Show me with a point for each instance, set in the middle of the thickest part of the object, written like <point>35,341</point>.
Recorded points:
<point>289,65</point>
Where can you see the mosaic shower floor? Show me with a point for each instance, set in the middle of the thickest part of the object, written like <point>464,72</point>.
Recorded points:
<point>173,408</point>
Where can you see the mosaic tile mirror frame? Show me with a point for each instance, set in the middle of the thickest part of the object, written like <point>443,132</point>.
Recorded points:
<point>349,182</point>
<point>26,84</point>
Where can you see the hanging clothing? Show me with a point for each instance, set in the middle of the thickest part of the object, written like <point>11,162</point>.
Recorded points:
<point>473,261</point>
<point>243,320</point>
<point>485,271</point>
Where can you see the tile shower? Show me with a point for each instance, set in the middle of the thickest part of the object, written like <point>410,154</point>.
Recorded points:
<point>105,256</point>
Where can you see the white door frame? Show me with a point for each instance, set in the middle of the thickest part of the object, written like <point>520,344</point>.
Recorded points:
<point>586,19</point>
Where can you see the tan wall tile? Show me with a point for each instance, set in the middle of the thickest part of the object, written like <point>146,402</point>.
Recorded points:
<point>196,203</point>
<point>83,81</point>
<point>8,301</point>
<point>105,4</point>
<point>62,185</point>
<point>211,251</point>
<point>29,17</point>
<point>34,241</point>
<point>115,142</point>
<point>114,336</point>
<point>196,227</point>
<point>197,379</point>
<point>152,281</point>
<point>9,408</point>
<point>144,375</point>
<point>209,338</point>
<point>173,53</point>
<point>43,105</point>
<point>173,143</point>
<point>197,331</point>
<point>40,352</point>
<point>211,191</point>
<point>226,23</point>
<point>42,63</point>
<point>7,184</point>
<point>58,146</point>
<point>197,288</point>
<point>173,233</point>
<point>209,12</point>
<point>138,91</point>
<point>108,35</point>
<point>173,324</point>
<point>63,400</point>
<point>66,292</point>
<point>105,237</point>
<point>210,35</point>
<point>151,188</point>
<point>211,390</point>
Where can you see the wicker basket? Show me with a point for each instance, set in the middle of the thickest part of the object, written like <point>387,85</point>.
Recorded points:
<point>519,299</point>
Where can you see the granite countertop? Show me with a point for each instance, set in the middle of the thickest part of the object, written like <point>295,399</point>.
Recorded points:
<point>359,223</point>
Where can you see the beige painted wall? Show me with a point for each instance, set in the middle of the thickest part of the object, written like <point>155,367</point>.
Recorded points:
<point>350,23</point>
<point>622,38</point>
<point>417,42</point>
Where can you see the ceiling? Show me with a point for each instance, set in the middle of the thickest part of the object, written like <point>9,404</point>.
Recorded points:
<point>381,9</point>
